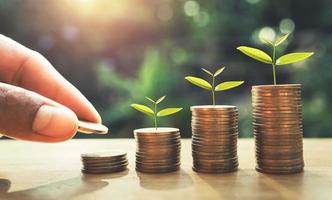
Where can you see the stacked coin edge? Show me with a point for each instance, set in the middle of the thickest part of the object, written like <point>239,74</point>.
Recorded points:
<point>104,162</point>
<point>214,138</point>
<point>278,129</point>
<point>158,150</point>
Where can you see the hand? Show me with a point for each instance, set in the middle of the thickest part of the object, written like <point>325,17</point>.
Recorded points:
<point>36,102</point>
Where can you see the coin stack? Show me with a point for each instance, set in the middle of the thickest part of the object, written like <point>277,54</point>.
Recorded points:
<point>104,162</point>
<point>158,150</point>
<point>278,131</point>
<point>214,138</point>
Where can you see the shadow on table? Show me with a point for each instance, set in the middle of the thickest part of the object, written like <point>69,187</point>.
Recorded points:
<point>64,189</point>
<point>254,185</point>
<point>224,184</point>
<point>284,186</point>
<point>165,181</point>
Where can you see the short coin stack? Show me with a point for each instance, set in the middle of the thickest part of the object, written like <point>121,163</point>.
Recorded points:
<point>104,162</point>
<point>278,131</point>
<point>214,138</point>
<point>158,150</point>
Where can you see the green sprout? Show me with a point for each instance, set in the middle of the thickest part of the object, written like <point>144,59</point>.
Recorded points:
<point>153,112</point>
<point>265,58</point>
<point>206,85</point>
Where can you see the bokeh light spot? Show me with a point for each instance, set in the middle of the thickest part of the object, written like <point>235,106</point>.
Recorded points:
<point>287,26</point>
<point>267,33</point>
<point>191,8</point>
<point>253,1</point>
<point>70,32</point>
<point>202,19</point>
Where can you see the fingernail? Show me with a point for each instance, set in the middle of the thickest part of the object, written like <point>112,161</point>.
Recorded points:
<point>55,122</point>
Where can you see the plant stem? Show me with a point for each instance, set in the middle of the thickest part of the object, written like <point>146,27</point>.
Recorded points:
<point>155,116</point>
<point>213,95</point>
<point>274,65</point>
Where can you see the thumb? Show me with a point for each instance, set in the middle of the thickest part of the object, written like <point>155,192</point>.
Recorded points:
<point>29,116</point>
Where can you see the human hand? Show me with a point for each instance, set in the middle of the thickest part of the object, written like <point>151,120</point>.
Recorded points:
<point>36,102</point>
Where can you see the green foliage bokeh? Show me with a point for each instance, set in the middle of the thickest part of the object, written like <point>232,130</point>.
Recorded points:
<point>117,52</point>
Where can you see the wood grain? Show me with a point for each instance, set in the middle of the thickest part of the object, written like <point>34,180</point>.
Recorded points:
<point>52,171</point>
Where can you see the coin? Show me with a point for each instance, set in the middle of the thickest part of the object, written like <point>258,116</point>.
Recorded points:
<point>105,167</point>
<point>97,171</point>
<point>213,171</point>
<point>157,140</point>
<point>91,128</point>
<point>158,150</point>
<point>217,134</point>
<point>267,142</point>
<point>104,162</point>
<point>104,154</point>
<point>278,129</point>
<point>228,142</point>
<point>157,170</point>
<point>214,138</point>
<point>280,171</point>
<point>214,129</point>
<point>157,160</point>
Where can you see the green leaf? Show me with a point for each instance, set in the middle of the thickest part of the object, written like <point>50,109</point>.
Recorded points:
<point>199,82</point>
<point>293,58</point>
<point>144,109</point>
<point>168,111</point>
<point>160,99</point>
<point>219,71</point>
<point>228,85</point>
<point>256,54</point>
<point>281,40</point>
<point>148,98</point>
<point>207,71</point>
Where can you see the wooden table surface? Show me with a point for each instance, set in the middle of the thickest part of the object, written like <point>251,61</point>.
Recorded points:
<point>52,171</point>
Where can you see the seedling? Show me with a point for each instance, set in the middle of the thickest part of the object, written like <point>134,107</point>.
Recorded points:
<point>265,58</point>
<point>206,85</point>
<point>153,112</point>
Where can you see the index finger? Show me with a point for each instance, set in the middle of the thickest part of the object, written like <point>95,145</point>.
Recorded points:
<point>23,67</point>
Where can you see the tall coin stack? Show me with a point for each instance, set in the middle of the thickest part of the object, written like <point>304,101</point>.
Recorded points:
<point>158,150</point>
<point>214,138</point>
<point>278,131</point>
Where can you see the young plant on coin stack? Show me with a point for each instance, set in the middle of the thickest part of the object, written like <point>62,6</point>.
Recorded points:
<point>214,129</point>
<point>277,114</point>
<point>158,148</point>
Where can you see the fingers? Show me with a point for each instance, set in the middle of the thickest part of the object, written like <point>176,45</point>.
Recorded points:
<point>28,116</point>
<point>28,69</point>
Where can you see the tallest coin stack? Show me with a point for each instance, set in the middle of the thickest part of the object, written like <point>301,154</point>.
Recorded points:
<point>278,131</point>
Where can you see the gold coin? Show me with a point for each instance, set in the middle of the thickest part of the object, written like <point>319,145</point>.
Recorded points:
<point>162,170</point>
<point>276,87</point>
<point>213,171</point>
<point>104,155</point>
<point>280,171</point>
<point>212,107</point>
<point>104,171</point>
<point>91,128</point>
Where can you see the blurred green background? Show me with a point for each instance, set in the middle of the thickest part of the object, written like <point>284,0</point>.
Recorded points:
<point>117,52</point>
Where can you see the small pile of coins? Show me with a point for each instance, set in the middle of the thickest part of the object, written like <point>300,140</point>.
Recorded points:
<point>214,138</point>
<point>104,162</point>
<point>158,150</point>
<point>278,131</point>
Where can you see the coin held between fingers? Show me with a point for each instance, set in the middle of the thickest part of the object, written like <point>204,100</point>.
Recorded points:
<point>91,128</point>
